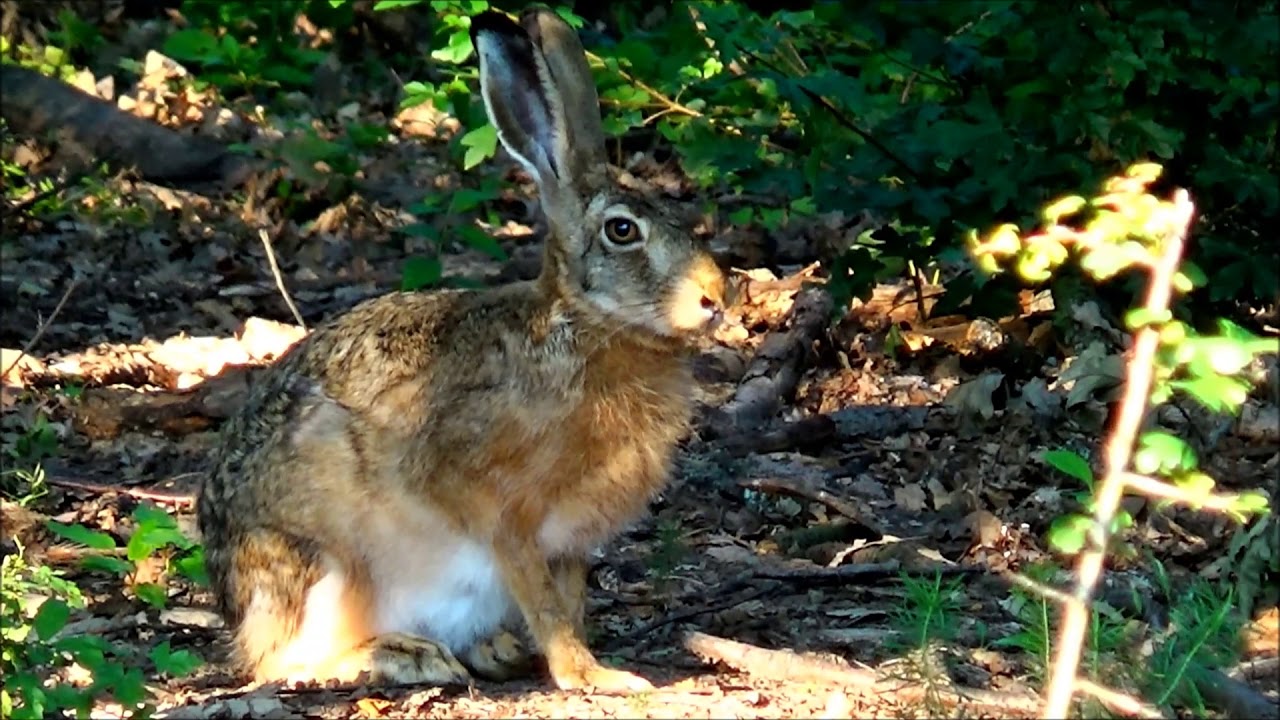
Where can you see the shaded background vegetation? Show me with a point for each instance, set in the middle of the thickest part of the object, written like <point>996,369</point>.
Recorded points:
<point>933,117</point>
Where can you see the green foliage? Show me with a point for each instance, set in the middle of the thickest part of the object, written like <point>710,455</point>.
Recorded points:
<point>37,644</point>
<point>243,46</point>
<point>927,617</point>
<point>1069,533</point>
<point>156,535</point>
<point>1202,634</point>
<point>671,549</point>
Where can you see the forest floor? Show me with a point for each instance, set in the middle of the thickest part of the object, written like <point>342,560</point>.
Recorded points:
<point>898,480</point>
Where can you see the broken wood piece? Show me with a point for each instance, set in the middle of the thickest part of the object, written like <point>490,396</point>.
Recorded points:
<point>773,373</point>
<point>778,486</point>
<point>778,665</point>
<point>789,666</point>
<point>807,432</point>
<point>97,131</point>
<point>106,412</point>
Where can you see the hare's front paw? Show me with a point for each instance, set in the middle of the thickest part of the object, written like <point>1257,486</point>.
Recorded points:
<point>602,679</point>
<point>501,657</point>
<point>402,659</point>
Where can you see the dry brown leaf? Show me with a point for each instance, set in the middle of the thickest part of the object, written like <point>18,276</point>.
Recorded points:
<point>372,707</point>
<point>911,497</point>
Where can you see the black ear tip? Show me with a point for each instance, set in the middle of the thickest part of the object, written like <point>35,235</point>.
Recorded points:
<point>492,21</point>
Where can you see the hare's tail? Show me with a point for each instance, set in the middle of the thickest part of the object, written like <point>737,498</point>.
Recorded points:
<point>294,613</point>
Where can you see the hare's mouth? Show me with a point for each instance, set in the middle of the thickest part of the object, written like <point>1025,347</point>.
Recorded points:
<point>693,310</point>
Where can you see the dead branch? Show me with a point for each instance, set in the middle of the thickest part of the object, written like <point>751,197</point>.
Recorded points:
<point>275,272</point>
<point>813,575</point>
<point>778,486</point>
<point>1235,698</point>
<point>158,496</point>
<point>44,327</point>
<point>779,665</point>
<point>94,131</point>
<point>774,372</point>
<point>789,666</point>
<point>689,613</point>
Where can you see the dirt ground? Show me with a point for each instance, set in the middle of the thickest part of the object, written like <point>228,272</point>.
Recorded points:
<point>144,308</point>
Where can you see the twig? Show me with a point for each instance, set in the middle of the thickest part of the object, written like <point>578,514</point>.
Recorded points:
<point>184,499</point>
<point>780,665</point>
<point>1133,405</point>
<point>1154,488</point>
<point>840,119</point>
<point>275,270</point>
<point>813,494</point>
<point>841,574</point>
<point>693,612</point>
<point>1119,702</point>
<point>44,326</point>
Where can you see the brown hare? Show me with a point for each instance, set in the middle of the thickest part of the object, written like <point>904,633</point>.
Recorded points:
<point>421,480</point>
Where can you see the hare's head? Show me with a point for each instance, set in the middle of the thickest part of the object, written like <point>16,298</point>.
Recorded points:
<point>612,252</point>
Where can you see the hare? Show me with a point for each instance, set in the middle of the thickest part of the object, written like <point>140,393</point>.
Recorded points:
<point>419,482</point>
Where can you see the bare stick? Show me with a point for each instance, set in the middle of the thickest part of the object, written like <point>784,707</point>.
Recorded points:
<point>183,499</point>
<point>1119,702</point>
<point>1151,487</point>
<point>275,271</point>
<point>44,326</point>
<point>1133,405</point>
<point>814,494</point>
<point>788,666</point>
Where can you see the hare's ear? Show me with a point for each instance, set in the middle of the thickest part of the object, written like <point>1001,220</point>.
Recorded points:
<point>539,94</point>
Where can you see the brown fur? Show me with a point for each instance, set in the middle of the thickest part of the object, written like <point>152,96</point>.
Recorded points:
<point>488,415</point>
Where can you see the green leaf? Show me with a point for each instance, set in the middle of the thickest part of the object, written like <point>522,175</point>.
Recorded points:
<point>481,144</point>
<point>1143,316</point>
<point>174,663</point>
<point>477,239</point>
<point>108,564</point>
<point>456,51</point>
<point>157,529</point>
<point>1217,393</point>
<point>1160,453</point>
<point>152,594</point>
<point>466,200</point>
<point>191,45</point>
<point>81,535</point>
<point>1070,463</point>
<point>394,4</point>
<point>419,272</point>
<point>1068,534</point>
<point>50,618</point>
<point>192,567</point>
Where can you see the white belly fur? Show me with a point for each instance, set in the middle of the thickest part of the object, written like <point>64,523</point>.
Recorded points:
<point>451,593</point>
<point>434,583</point>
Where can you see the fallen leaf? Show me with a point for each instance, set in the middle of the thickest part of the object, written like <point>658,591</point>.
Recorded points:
<point>973,398</point>
<point>910,497</point>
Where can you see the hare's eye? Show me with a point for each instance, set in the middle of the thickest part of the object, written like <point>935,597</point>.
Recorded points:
<point>622,231</point>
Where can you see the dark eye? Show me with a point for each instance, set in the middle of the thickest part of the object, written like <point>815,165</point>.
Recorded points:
<point>622,231</point>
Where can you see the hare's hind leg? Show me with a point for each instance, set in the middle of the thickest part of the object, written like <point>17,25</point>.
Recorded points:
<point>402,659</point>
<point>304,617</point>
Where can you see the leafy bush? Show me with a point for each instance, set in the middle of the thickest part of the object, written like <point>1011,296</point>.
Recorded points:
<point>946,116</point>
<point>38,645</point>
<point>936,117</point>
